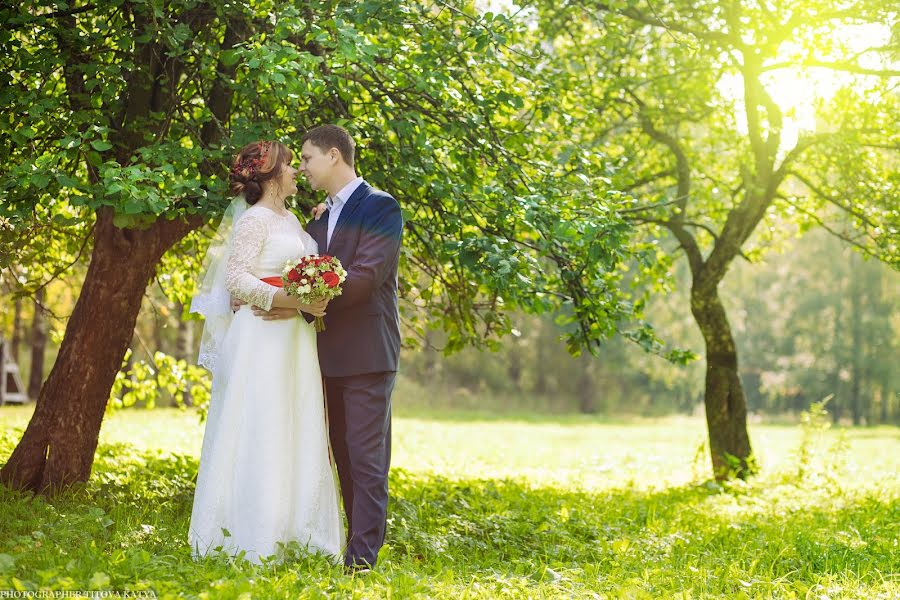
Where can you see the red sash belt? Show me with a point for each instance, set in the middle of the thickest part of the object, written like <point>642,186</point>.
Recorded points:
<point>276,281</point>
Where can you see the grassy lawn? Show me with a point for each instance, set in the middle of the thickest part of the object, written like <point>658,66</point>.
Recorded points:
<point>495,506</point>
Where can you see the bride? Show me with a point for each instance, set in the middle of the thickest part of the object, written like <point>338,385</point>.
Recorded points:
<point>265,475</point>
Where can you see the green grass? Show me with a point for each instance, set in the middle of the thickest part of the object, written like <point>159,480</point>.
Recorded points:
<point>485,507</point>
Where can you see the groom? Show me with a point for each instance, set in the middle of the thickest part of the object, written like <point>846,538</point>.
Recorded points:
<point>360,347</point>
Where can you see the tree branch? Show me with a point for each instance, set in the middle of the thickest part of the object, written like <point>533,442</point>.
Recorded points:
<point>831,199</point>
<point>818,220</point>
<point>42,19</point>
<point>656,21</point>
<point>834,66</point>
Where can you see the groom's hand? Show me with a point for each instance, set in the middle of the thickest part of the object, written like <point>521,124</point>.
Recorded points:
<point>316,309</point>
<point>275,314</point>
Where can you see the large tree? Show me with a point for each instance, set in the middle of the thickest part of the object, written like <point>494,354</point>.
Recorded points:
<point>120,117</point>
<point>680,94</point>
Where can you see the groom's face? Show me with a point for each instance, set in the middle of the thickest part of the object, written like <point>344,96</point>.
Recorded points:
<point>316,165</point>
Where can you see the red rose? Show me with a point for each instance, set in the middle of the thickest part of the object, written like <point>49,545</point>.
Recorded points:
<point>331,279</point>
<point>293,275</point>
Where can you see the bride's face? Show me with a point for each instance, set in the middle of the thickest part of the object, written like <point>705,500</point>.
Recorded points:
<point>288,180</point>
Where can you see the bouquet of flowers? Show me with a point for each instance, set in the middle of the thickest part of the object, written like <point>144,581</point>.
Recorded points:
<point>313,278</point>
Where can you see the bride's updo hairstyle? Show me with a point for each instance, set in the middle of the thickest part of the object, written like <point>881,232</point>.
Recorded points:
<point>256,164</point>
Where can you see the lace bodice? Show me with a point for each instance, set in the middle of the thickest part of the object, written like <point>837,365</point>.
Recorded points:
<point>263,242</point>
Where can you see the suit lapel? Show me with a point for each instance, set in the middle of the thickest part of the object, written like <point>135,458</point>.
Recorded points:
<point>352,205</point>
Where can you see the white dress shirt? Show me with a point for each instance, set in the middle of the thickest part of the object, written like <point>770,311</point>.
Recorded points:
<point>336,205</point>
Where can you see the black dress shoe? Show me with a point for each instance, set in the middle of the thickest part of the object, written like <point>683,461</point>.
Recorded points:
<point>362,569</point>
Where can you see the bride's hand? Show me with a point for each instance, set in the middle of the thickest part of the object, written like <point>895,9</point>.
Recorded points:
<point>316,309</point>
<point>317,211</point>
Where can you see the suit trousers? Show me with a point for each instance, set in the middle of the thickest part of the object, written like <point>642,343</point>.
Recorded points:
<point>359,419</point>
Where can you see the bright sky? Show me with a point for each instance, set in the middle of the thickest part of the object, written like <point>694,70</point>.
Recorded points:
<point>796,90</point>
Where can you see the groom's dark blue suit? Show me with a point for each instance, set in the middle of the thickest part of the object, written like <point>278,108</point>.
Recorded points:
<point>358,354</point>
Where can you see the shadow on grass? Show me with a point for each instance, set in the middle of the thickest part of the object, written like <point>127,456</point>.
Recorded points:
<point>504,522</point>
<point>130,522</point>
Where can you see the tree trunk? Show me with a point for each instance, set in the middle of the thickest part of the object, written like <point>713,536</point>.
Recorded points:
<point>16,341</point>
<point>726,406</point>
<point>38,346</point>
<point>58,446</point>
<point>514,367</point>
<point>856,332</point>
<point>587,403</point>
<point>540,381</point>
<point>836,403</point>
<point>896,410</point>
<point>184,345</point>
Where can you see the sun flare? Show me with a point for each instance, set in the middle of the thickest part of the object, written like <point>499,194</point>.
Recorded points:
<point>798,90</point>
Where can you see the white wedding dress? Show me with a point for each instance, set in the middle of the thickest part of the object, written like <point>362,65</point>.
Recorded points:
<point>266,475</point>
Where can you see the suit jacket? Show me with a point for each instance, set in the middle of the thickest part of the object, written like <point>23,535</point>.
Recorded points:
<point>362,325</point>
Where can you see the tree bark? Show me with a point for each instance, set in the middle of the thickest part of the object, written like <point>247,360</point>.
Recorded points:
<point>58,446</point>
<point>726,405</point>
<point>38,346</point>
<point>16,341</point>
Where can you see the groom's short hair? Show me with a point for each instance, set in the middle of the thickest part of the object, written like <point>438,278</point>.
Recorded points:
<point>326,137</point>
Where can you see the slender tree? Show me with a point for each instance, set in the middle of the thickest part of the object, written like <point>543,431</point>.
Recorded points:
<point>711,170</point>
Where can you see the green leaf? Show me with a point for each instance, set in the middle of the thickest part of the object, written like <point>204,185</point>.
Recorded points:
<point>40,180</point>
<point>101,145</point>
<point>66,181</point>
<point>70,142</point>
<point>229,57</point>
<point>123,221</point>
<point>94,159</point>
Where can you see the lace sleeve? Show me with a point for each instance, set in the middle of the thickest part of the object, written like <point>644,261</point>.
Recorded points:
<point>249,235</point>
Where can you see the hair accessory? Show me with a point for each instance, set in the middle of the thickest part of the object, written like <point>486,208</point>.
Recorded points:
<point>248,167</point>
